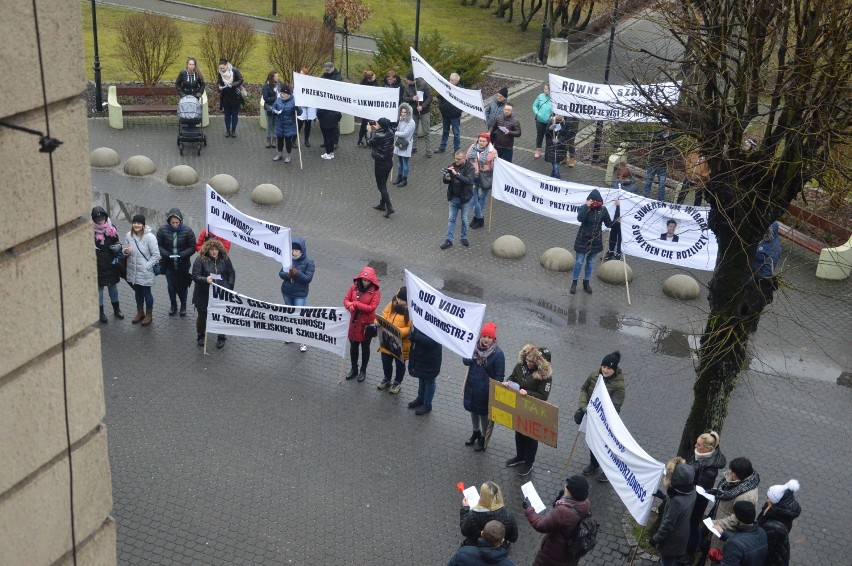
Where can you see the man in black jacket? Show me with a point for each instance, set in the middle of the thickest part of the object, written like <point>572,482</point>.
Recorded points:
<point>504,131</point>
<point>330,72</point>
<point>412,91</point>
<point>451,117</point>
<point>380,138</point>
<point>746,544</point>
<point>459,180</point>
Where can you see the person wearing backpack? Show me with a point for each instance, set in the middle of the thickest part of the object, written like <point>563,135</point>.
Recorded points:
<point>570,531</point>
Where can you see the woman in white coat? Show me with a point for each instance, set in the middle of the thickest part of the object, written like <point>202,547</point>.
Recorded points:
<point>404,136</point>
<point>143,254</point>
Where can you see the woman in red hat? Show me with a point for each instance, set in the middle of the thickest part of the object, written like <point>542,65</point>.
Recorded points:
<point>488,362</point>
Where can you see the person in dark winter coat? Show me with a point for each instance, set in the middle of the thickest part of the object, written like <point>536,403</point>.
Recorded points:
<point>177,246</point>
<point>330,72</point>
<point>489,549</point>
<point>329,123</point>
<point>495,108</point>
<point>504,131</point>
<point>777,543</point>
<point>450,118</point>
<point>488,362</point>
<point>776,518</point>
<point>532,377</point>
<point>411,90</point>
<point>614,382</point>
<point>361,300</point>
<point>560,523</point>
<point>706,461</point>
<point>212,260</point>
<point>108,250</point>
<point>739,484</point>
<point>424,363</point>
<point>190,81</point>
<point>369,79</point>
<point>285,122</point>
<point>204,235</point>
<point>296,281</point>
<point>588,243</point>
<point>459,178</point>
<point>269,91</point>
<point>672,536</point>
<point>765,263</point>
<point>380,138</point>
<point>230,80</point>
<point>556,144</point>
<point>490,507</point>
<point>662,151</point>
<point>745,543</point>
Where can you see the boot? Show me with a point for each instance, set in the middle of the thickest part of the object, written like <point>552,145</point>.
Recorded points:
<point>403,183</point>
<point>380,206</point>
<point>183,309</point>
<point>398,180</point>
<point>102,318</point>
<point>227,132</point>
<point>480,444</point>
<point>268,143</point>
<point>353,373</point>
<point>362,376</point>
<point>390,210</point>
<point>573,287</point>
<point>199,339</point>
<point>473,438</point>
<point>307,142</point>
<point>116,310</point>
<point>586,287</point>
<point>140,314</point>
<point>173,309</point>
<point>234,133</point>
<point>149,314</point>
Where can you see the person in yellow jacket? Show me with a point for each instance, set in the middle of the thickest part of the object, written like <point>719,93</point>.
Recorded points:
<point>396,312</point>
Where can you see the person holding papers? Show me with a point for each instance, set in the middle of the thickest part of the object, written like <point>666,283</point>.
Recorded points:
<point>614,381</point>
<point>532,376</point>
<point>488,362</point>
<point>556,146</point>
<point>504,131</point>
<point>672,536</point>
<point>739,484</point>
<point>177,244</point>
<point>211,266</point>
<point>490,507</point>
<point>296,281</point>
<point>285,122</point>
<point>560,523</point>
<point>706,462</point>
<point>361,300</point>
<point>745,541</point>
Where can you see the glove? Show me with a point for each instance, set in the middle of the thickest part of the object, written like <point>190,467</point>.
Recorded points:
<point>660,495</point>
<point>653,541</point>
<point>578,416</point>
<point>526,502</point>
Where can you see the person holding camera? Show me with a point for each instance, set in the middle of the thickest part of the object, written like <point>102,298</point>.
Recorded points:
<point>459,180</point>
<point>380,138</point>
<point>403,143</point>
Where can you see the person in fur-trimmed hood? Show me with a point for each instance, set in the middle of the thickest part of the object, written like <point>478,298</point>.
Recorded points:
<point>672,536</point>
<point>532,376</point>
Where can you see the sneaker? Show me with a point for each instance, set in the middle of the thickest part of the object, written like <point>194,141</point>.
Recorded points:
<point>465,242</point>
<point>441,150</point>
<point>602,478</point>
<point>330,156</point>
<point>516,461</point>
<point>572,162</point>
<point>608,256</point>
<point>446,245</point>
<point>617,257</point>
<point>590,469</point>
<point>524,471</point>
<point>277,157</point>
<point>303,348</point>
<point>383,385</point>
<point>287,159</point>
<point>395,388</point>
<point>324,156</point>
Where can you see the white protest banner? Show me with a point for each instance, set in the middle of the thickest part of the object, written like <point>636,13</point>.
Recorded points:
<point>251,233</point>
<point>326,328</point>
<point>389,337</point>
<point>464,99</point>
<point>633,474</point>
<point>359,100</point>
<point>618,103</point>
<point>446,320</point>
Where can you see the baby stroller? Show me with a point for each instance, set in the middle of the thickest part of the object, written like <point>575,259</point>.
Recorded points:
<point>189,124</point>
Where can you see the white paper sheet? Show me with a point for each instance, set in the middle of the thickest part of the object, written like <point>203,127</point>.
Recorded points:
<point>708,522</point>
<point>215,276</point>
<point>420,96</point>
<point>703,493</point>
<point>530,493</point>
<point>472,496</point>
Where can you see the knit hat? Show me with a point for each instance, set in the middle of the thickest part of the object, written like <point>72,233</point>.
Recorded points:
<point>328,65</point>
<point>409,75</point>
<point>504,92</point>
<point>776,492</point>
<point>295,246</point>
<point>402,294</point>
<point>745,512</point>
<point>384,123</point>
<point>579,488</point>
<point>98,212</point>
<point>137,218</point>
<point>489,329</point>
<point>611,360</point>
<point>485,135</point>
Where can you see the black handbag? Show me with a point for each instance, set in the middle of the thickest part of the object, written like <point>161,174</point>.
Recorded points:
<point>371,330</point>
<point>401,143</point>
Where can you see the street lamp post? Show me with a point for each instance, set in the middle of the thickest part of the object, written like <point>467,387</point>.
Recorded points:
<point>274,7</point>
<point>543,33</point>
<point>596,148</point>
<point>99,99</point>
<point>417,27</point>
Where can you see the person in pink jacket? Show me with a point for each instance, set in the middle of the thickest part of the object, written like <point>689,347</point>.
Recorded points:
<point>361,300</point>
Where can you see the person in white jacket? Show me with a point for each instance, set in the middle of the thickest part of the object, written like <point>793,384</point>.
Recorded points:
<point>143,254</point>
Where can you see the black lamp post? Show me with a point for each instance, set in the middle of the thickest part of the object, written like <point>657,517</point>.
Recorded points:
<point>543,32</point>
<point>417,27</point>
<point>596,147</point>
<point>274,7</point>
<point>99,99</point>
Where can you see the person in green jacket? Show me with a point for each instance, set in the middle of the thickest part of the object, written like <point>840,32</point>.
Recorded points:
<point>542,110</point>
<point>614,381</point>
<point>532,377</point>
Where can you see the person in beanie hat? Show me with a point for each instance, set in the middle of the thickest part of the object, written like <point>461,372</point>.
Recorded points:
<point>296,281</point>
<point>380,138</point>
<point>776,518</point>
<point>739,484</point>
<point>614,381</point>
<point>588,243</point>
<point>108,250</point>
<point>488,362</point>
<point>746,542</point>
<point>143,254</point>
<point>560,523</point>
<point>481,154</point>
<point>495,108</point>
<point>396,312</point>
<point>532,377</point>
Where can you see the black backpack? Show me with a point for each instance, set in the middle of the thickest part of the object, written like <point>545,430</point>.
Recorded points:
<point>586,536</point>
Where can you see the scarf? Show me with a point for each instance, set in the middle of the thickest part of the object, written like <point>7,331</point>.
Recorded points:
<point>227,76</point>
<point>481,353</point>
<point>596,204</point>
<point>703,455</point>
<point>726,491</point>
<point>190,77</point>
<point>102,230</point>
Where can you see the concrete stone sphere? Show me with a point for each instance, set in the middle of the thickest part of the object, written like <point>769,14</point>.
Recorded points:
<point>612,272</point>
<point>509,247</point>
<point>182,176</point>
<point>266,194</point>
<point>104,157</point>
<point>224,184</point>
<point>139,166</point>
<point>682,287</point>
<point>557,259</point>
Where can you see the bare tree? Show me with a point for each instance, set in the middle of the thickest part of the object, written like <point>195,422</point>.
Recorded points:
<point>149,45</point>
<point>298,41</point>
<point>775,72</point>
<point>226,36</point>
<point>565,19</point>
<point>346,17</point>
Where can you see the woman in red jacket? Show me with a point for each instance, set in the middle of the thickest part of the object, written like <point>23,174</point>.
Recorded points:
<point>361,301</point>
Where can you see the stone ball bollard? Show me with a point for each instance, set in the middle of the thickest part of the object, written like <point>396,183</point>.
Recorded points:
<point>557,259</point>
<point>682,287</point>
<point>182,176</point>
<point>509,247</point>
<point>139,166</point>
<point>612,272</point>
<point>266,194</point>
<point>224,184</point>
<point>104,157</point>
